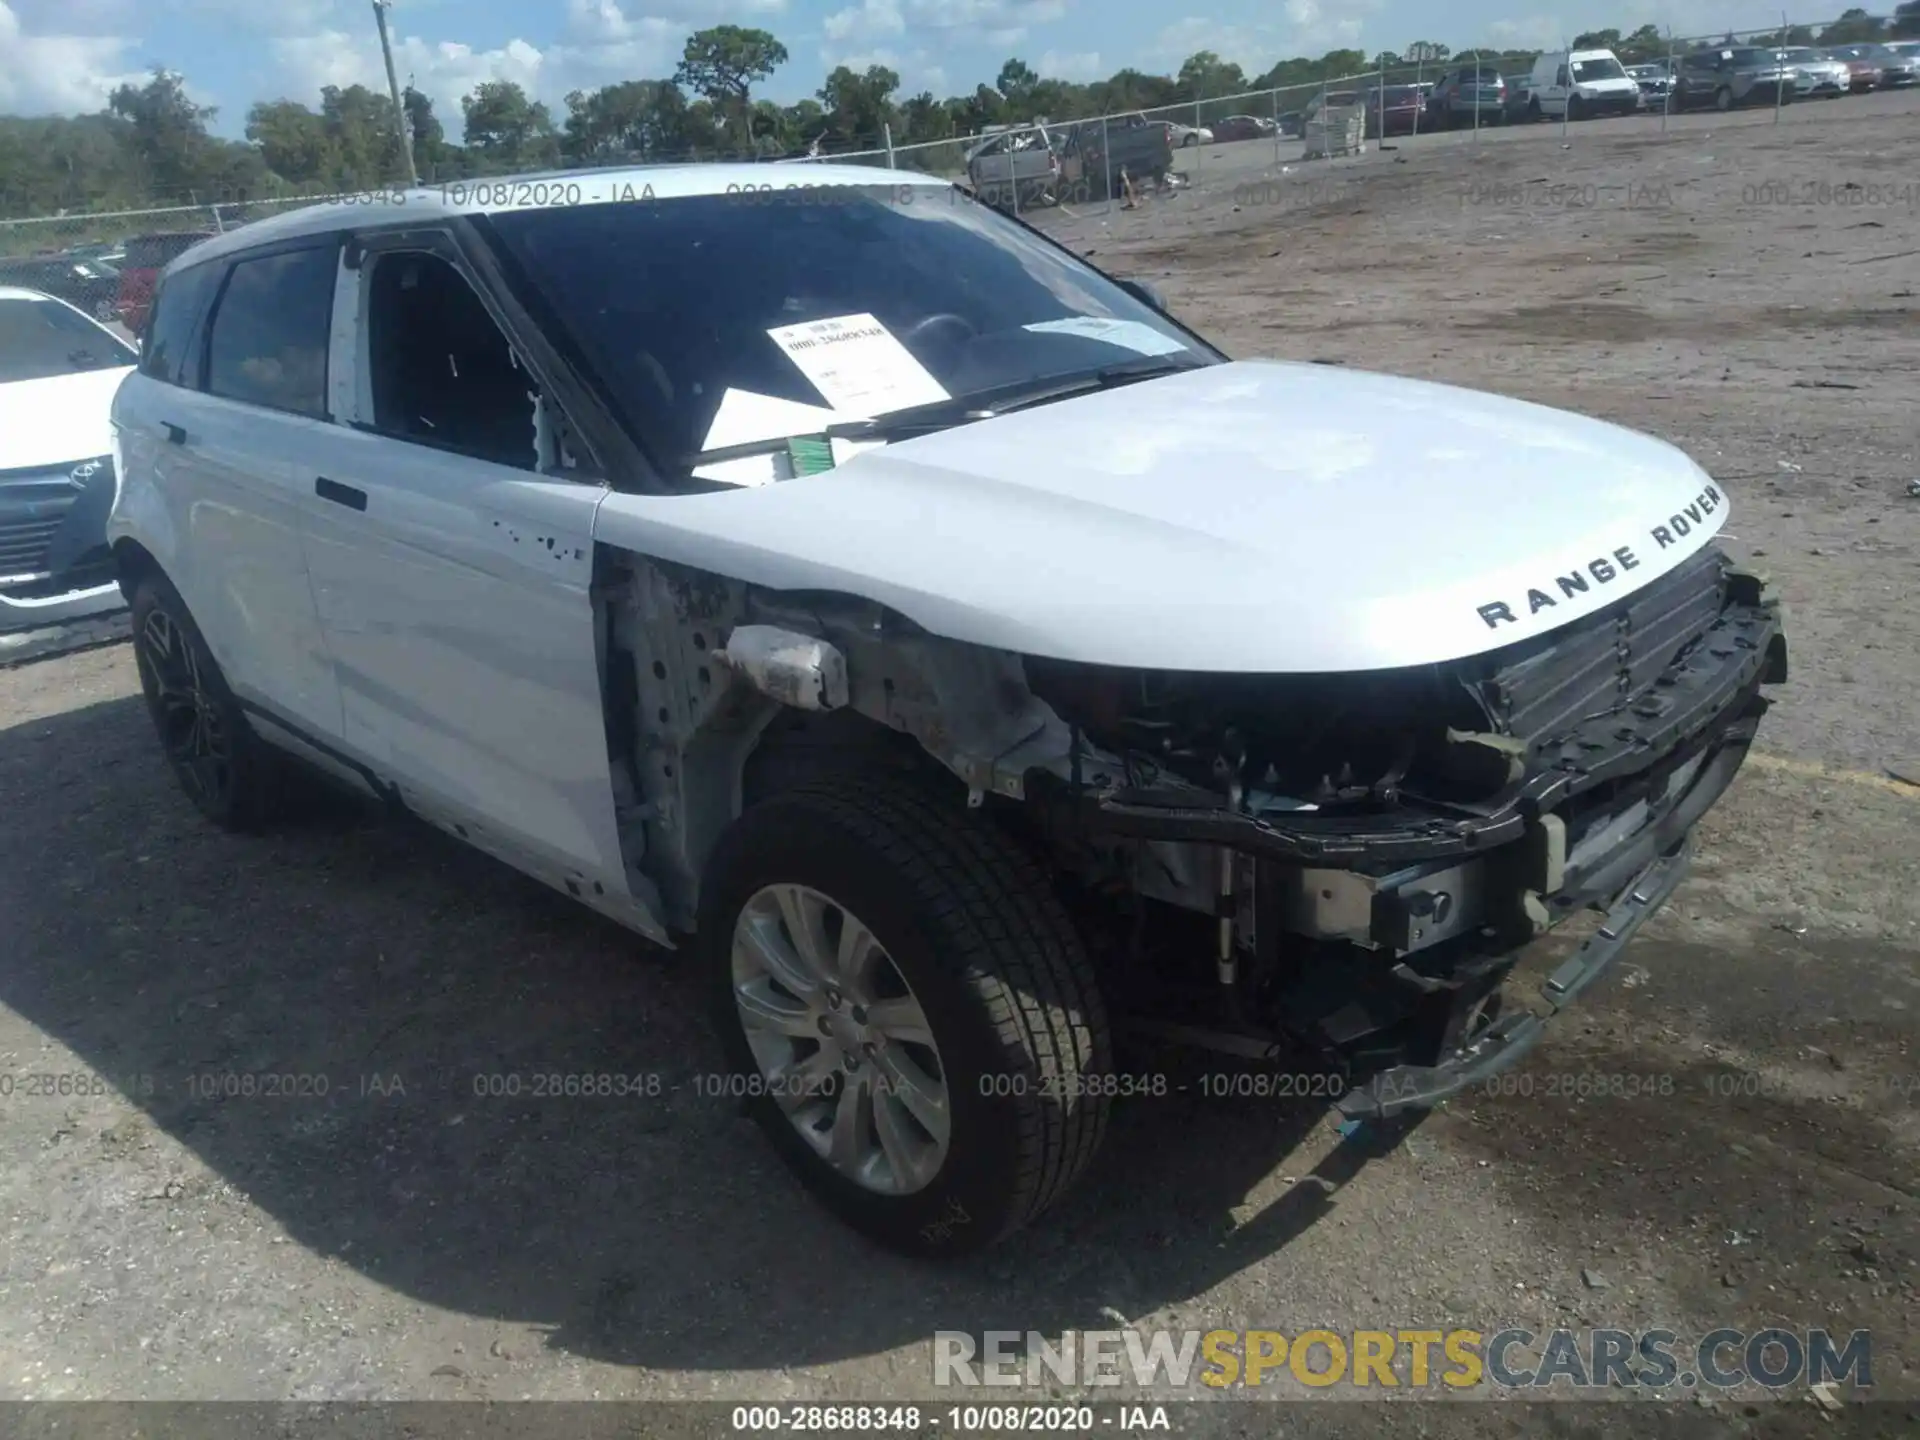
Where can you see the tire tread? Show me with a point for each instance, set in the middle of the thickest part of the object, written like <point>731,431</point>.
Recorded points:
<point>1019,951</point>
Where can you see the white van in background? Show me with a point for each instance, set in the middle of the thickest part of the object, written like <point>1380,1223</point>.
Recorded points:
<point>1579,84</point>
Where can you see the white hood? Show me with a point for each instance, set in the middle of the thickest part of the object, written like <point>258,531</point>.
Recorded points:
<point>61,418</point>
<point>1259,516</point>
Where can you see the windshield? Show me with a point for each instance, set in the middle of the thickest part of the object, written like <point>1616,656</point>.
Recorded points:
<point>862,301</point>
<point>1605,68</point>
<point>43,338</point>
<point>1799,55</point>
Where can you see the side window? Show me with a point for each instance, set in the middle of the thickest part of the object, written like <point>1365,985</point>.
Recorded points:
<point>441,371</point>
<point>166,352</point>
<point>270,333</point>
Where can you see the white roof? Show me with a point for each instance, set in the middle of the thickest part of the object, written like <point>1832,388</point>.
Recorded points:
<point>20,292</point>
<point>503,194</point>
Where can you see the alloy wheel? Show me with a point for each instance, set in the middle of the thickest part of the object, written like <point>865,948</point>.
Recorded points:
<point>186,712</point>
<point>843,1045</point>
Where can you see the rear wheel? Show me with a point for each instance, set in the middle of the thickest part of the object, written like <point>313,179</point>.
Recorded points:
<point>1533,109</point>
<point>227,771</point>
<point>908,1011</point>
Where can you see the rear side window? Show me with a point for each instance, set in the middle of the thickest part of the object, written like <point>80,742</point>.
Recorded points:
<point>269,338</point>
<point>167,353</point>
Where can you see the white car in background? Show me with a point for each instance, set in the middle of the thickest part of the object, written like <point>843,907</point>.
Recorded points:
<point>59,371</point>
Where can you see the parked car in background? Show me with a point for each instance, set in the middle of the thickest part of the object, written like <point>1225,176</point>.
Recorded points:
<point>1580,84</point>
<point>1398,110</point>
<point>1863,74</point>
<point>1293,123</point>
<point>1467,92</point>
<point>1519,96</point>
<point>91,285</point>
<point>1655,82</point>
<point>1898,67</point>
<point>59,372</point>
<point>1241,127</point>
<point>1817,75</point>
<point>147,256</point>
<point>1184,137</point>
<point>1730,77</point>
<point>1076,698</point>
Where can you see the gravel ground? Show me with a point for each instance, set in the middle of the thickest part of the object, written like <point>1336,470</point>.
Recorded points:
<point>407,1236</point>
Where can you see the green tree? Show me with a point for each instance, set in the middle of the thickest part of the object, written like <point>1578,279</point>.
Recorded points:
<point>293,141</point>
<point>506,130</point>
<point>1016,82</point>
<point>924,118</point>
<point>633,120</point>
<point>723,63</point>
<point>1643,45</point>
<point>1205,74</point>
<point>1906,20</point>
<point>859,107</point>
<point>1597,40</point>
<point>365,137</point>
<point>168,133</point>
<point>1854,27</point>
<point>1128,90</point>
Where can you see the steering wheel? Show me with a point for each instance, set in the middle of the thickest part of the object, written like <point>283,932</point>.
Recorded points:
<point>934,322</point>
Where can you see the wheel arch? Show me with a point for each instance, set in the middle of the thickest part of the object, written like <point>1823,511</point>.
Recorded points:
<point>719,695</point>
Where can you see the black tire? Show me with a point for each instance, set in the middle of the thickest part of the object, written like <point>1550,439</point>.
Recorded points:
<point>1723,99</point>
<point>1576,109</point>
<point>1533,109</point>
<point>999,971</point>
<point>227,771</point>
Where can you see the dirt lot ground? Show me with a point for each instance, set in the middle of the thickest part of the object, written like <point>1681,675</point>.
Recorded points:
<point>1734,287</point>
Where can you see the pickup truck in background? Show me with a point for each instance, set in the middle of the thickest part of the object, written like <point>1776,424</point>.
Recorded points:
<point>1140,148</point>
<point>1043,164</point>
<point>1017,168</point>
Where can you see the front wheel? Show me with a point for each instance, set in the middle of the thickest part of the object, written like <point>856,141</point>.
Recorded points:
<point>1576,109</point>
<point>1723,99</point>
<point>907,1011</point>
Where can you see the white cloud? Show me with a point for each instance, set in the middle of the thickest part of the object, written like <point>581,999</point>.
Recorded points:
<point>867,21</point>
<point>989,15</point>
<point>443,71</point>
<point>608,19</point>
<point>50,72</point>
<point>273,17</point>
<point>1529,32</point>
<point>1082,65</point>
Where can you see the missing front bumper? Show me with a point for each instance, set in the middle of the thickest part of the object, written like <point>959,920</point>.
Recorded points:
<point>1507,1041</point>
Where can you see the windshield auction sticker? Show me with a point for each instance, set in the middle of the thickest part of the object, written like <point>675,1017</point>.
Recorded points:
<point>1127,334</point>
<point>857,365</point>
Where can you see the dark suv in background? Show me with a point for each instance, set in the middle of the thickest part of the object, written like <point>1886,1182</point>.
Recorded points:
<point>1731,77</point>
<point>1463,91</point>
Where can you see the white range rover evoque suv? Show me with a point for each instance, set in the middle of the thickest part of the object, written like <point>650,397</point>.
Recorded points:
<point>966,661</point>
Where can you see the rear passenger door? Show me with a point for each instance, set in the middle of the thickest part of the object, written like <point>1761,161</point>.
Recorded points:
<point>225,415</point>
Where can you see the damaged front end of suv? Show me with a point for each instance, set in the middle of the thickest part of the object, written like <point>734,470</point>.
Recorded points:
<point>1343,867</point>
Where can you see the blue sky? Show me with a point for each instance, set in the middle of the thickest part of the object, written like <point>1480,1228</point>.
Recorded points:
<point>62,56</point>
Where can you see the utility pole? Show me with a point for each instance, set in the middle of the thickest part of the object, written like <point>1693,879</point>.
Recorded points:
<point>380,8</point>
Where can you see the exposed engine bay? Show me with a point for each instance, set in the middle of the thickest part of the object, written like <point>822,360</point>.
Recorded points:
<point>1349,863</point>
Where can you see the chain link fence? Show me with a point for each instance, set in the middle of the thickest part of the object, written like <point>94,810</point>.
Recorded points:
<point>1121,160</point>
